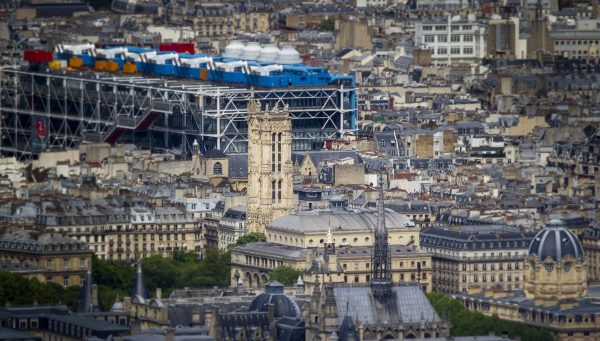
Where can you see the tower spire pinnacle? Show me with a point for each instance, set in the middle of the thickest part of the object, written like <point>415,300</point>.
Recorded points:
<point>381,283</point>
<point>329,235</point>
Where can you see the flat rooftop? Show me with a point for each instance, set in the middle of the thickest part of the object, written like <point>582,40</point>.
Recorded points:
<point>191,86</point>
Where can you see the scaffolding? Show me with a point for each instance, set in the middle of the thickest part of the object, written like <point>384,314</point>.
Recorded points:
<point>58,110</point>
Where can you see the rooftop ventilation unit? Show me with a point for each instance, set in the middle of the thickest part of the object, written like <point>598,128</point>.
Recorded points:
<point>251,51</point>
<point>269,54</point>
<point>234,50</point>
<point>288,55</point>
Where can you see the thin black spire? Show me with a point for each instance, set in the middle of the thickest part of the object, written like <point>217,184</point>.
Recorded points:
<point>381,283</point>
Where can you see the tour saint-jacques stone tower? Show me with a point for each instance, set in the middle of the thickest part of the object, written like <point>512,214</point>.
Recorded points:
<point>270,167</point>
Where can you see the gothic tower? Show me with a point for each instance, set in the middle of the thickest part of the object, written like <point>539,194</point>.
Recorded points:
<point>381,282</point>
<point>270,167</point>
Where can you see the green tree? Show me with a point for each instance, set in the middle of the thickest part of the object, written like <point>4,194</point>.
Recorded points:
<point>112,274</point>
<point>285,274</point>
<point>107,296</point>
<point>327,25</point>
<point>467,323</point>
<point>70,295</point>
<point>19,290</point>
<point>213,270</point>
<point>115,279</point>
<point>160,272</point>
<point>251,238</point>
<point>185,257</point>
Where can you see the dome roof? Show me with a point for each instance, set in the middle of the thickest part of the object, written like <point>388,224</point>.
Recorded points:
<point>251,51</point>
<point>284,306</point>
<point>288,55</point>
<point>269,54</point>
<point>233,50</point>
<point>555,241</point>
<point>117,306</point>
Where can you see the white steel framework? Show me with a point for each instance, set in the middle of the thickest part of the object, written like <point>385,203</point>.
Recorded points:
<point>55,110</point>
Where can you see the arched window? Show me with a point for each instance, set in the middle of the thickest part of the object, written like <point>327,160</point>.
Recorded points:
<point>217,168</point>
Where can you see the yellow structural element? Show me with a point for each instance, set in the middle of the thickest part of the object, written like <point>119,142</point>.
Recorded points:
<point>55,65</point>
<point>100,65</point>
<point>129,68</point>
<point>112,66</point>
<point>75,62</point>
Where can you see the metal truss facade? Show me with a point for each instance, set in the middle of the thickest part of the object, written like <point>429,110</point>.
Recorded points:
<point>57,110</point>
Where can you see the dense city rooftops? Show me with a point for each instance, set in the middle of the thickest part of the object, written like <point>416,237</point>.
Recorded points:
<point>43,243</point>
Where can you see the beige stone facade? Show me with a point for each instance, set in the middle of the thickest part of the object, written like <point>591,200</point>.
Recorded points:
<point>591,247</point>
<point>361,237</point>
<point>424,146</point>
<point>461,263</point>
<point>555,290</point>
<point>48,257</point>
<point>352,32</point>
<point>549,281</point>
<point>349,174</point>
<point>270,167</point>
<point>129,235</point>
<point>227,25</point>
<point>252,264</point>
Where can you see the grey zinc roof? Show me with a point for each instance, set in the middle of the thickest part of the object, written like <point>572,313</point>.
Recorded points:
<point>89,323</point>
<point>238,165</point>
<point>15,335</point>
<point>274,249</point>
<point>555,242</point>
<point>408,305</point>
<point>586,305</point>
<point>315,221</point>
<point>319,156</point>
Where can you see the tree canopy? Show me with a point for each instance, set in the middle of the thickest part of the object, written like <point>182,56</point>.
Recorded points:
<point>468,323</point>
<point>18,290</point>
<point>285,274</point>
<point>251,238</point>
<point>327,25</point>
<point>115,279</point>
<point>185,269</point>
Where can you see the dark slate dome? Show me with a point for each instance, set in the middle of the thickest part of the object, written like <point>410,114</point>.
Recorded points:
<point>555,241</point>
<point>284,306</point>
